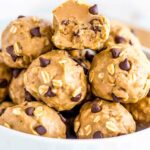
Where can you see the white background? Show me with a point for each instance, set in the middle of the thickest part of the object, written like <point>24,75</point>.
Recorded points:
<point>132,11</point>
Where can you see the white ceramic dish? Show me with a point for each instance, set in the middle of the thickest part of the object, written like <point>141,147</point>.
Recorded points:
<point>14,140</point>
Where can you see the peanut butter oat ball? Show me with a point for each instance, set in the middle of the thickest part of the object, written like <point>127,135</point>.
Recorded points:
<point>57,80</point>
<point>17,90</point>
<point>34,118</point>
<point>101,119</point>
<point>25,39</point>
<point>122,34</point>
<point>79,26</point>
<point>5,77</point>
<point>121,74</point>
<point>5,105</point>
<point>141,111</point>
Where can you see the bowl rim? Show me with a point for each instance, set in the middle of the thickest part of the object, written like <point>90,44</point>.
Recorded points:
<point>47,139</point>
<point>77,141</point>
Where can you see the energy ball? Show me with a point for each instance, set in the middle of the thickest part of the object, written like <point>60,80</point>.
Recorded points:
<point>79,26</point>
<point>141,111</point>
<point>25,39</point>
<point>34,118</point>
<point>121,34</point>
<point>101,119</point>
<point>57,80</point>
<point>120,73</point>
<point>5,77</point>
<point>17,90</point>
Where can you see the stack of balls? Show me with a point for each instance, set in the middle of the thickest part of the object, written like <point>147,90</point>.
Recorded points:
<point>82,77</point>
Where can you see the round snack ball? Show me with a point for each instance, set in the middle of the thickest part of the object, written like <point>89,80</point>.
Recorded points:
<point>5,77</point>
<point>120,73</point>
<point>17,90</point>
<point>77,27</point>
<point>5,105</point>
<point>141,111</point>
<point>57,80</point>
<point>122,34</point>
<point>101,119</point>
<point>25,39</point>
<point>34,118</point>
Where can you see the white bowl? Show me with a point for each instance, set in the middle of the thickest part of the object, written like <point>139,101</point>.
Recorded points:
<point>14,140</point>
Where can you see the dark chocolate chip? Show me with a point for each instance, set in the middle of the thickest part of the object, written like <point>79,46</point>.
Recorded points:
<point>0,49</point>
<point>3,83</point>
<point>115,98</point>
<point>120,39</point>
<point>28,96</point>
<point>96,29</point>
<point>89,56</point>
<point>40,130</point>
<point>76,33</point>
<point>35,32</point>
<point>125,65</point>
<point>115,52</point>
<point>44,62</point>
<point>16,72</point>
<point>130,42</point>
<point>95,108</point>
<point>76,99</point>
<point>94,9</point>
<point>50,93</point>
<point>21,16</point>
<point>97,135</point>
<point>10,50</point>
<point>29,111</point>
<point>148,95</point>
<point>2,111</point>
<point>65,22</point>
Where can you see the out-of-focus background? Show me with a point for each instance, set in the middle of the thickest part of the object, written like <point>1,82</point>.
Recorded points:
<point>136,12</point>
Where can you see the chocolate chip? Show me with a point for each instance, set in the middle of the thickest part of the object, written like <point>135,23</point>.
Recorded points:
<point>89,56</point>
<point>95,108</point>
<point>21,16</point>
<point>130,42</point>
<point>115,98</point>
<point>96,29</point>
<point>50,93</point>
<point>120,39</point>
<point>76,33</point>
<point>44,62</point>
<point>125,65</point>
<point>94,9</point>
<point>65,22</point>
<point>16,72</point>
<point>29,111</point>
<point>115,52</point>
<point>10,50</point>
<point>3,83</point>
<point>0,50</point>
<point>40,130</point>
<point>2,111</point>
<point>35,32</point>
<point>28,96</point>
<point>76,99</point>
<point>148,95</point>
<point>97,135</point>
